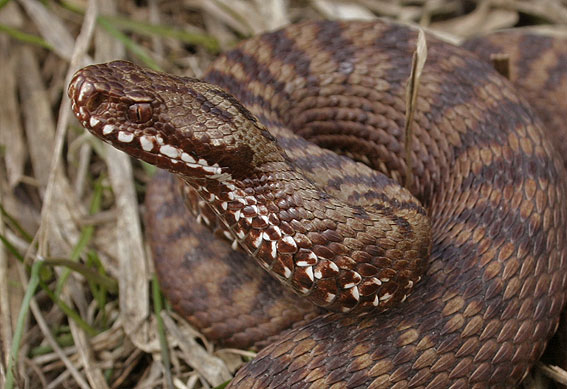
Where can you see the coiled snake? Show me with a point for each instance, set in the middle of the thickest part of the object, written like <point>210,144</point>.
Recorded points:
<point>339,232</point>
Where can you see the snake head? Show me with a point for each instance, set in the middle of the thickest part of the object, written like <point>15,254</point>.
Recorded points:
<point>181,124</point>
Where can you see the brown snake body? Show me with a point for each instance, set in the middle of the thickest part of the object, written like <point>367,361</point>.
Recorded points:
<point>332,229</point>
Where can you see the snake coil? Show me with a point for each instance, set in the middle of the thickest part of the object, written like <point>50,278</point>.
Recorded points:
<point>482,244</point>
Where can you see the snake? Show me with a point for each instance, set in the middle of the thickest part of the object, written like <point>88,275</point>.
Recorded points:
<point>291,150</point>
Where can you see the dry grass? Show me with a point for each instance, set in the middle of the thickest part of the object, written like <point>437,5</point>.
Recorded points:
<point>73,252</point>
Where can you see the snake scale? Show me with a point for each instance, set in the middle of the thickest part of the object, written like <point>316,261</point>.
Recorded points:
<point>459,286</point>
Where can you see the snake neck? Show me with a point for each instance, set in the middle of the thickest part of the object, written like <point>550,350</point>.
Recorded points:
<point>311,241</point>
<point>340,256</point>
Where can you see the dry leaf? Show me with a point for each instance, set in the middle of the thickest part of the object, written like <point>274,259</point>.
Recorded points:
<point>412,90</point>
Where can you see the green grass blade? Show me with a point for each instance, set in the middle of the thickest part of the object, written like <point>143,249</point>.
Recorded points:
<point>24,37</point>
<point>110,284</point>
<point>13,223</point>
<point>158,306</point>
<point>98,290</point>
<point>223,385</point>
<point>117,22</point>
<point>3,3</point>
<point>70,312</point>
<point>85,237</point>
<point>20,325</point>
<point>64,340</point>
<point>136,49</point>
<point>86,233</point>
<point>148,29</point>
<point>11,248</point>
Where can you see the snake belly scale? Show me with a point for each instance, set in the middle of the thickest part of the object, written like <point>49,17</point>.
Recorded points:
<point>459,286</point>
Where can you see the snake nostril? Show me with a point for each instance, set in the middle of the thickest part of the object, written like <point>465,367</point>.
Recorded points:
<point>95,101</point>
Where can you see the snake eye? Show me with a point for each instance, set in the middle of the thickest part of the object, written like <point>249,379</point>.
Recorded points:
<point>140,112</point>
